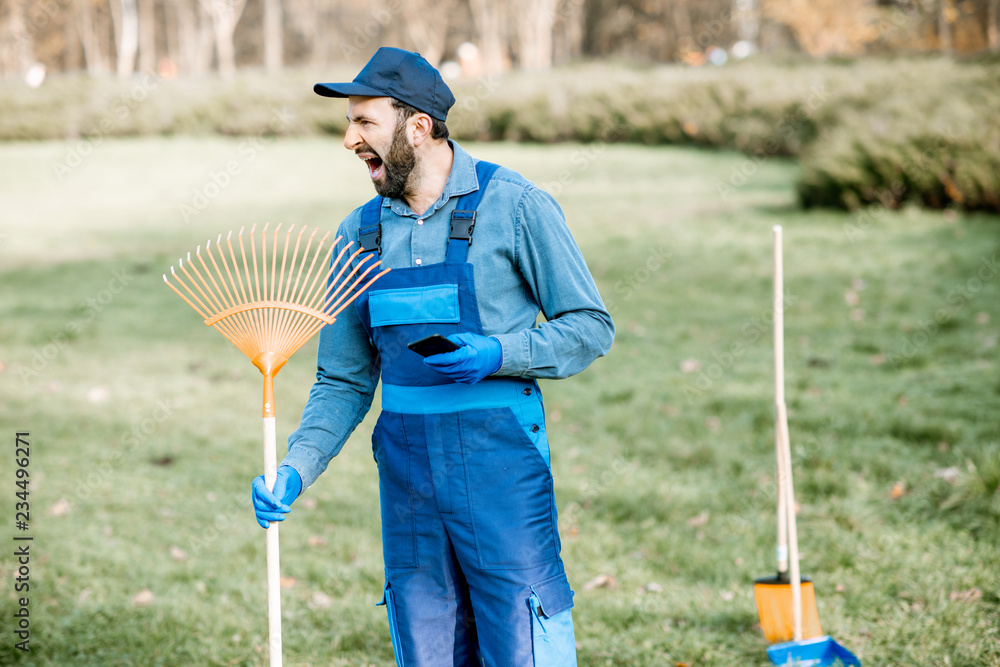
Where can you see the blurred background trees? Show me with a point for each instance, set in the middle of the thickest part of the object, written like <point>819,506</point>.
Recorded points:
<point>191,37</point>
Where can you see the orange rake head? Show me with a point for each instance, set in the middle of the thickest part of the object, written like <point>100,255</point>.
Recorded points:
<point>268,306</point>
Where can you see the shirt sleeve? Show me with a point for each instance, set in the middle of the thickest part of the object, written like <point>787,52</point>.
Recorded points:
<point>347,372</point>
<point>578,328</point>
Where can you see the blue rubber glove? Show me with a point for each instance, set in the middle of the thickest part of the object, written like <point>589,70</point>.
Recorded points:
<point>274,506</point>
<point>477,357</point>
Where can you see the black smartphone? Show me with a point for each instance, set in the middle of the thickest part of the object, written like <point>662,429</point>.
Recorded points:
<point>433,344</point>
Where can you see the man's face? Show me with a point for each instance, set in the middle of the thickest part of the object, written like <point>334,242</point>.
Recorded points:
<point>377,138</point>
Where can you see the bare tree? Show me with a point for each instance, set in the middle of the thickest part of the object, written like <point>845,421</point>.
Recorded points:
<point>193,35</point>
<point>946,16</point>
<point>125,14</point>
<point>534,20</point>
<point>225,15</point>
<point>273,43</point>
<point>147,36</point>
<point>16,53</point>
<point>491,26</point>
<point>992,30</point>
<point>90,36</point>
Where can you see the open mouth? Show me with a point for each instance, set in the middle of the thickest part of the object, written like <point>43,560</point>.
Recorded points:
<point>375,166</point>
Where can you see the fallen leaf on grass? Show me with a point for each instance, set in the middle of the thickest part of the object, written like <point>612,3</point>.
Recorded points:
<point>317,541</point>
<point>653,587</point>
<point>698,521</point>
<point>970,595</point>
<point>840,588</point>
<point>898,490</point>
<point>178,554</point>
<point>309,503</point>
<point>949,474</point>
<point>320,601</point>
<point>287,582</point>
<point>98,394</point>
<point>143,598</point>
<point>61,508</point>
<point>601,581</point>
<point>690,366</point>
<point>727,595</point>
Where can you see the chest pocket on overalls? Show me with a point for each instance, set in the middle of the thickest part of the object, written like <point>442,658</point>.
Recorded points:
<point>414,305</point>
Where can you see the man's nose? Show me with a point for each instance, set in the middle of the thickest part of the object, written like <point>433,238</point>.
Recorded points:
<point>352,138</point>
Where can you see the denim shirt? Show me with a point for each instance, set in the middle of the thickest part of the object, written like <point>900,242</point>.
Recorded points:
<point>525,261</point>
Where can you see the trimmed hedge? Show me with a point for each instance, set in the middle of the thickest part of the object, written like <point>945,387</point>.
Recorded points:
<point>931,137</point>
<point>868,132</point>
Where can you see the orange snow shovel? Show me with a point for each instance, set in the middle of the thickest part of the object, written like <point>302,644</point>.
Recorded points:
<point>268,318</point>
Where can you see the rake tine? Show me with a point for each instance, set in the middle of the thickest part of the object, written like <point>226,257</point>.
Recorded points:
<point>186,300</point>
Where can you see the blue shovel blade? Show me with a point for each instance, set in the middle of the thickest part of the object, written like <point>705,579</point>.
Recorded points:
<point>818,652</point>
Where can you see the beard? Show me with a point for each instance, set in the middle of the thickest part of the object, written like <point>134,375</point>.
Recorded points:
<point>399,163</point>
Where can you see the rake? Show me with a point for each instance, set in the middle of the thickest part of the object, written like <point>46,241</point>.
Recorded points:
<point>269,308</point>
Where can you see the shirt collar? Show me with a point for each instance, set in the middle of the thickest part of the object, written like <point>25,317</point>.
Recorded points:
<point>461,181</point>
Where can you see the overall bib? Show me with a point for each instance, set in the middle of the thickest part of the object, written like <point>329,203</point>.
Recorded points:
<point>469,526</point>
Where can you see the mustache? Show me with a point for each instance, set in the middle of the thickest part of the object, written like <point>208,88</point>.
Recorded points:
<point>365,148</point>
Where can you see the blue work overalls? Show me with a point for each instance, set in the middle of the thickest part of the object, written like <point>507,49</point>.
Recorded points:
<point>469,526</point>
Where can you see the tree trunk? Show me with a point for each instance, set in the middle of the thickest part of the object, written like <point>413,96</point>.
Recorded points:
<point>992,29</point>
<point>945,11</point>
<point>273,43</point>
<point>427,27</point>
<point>535,20</point>
<point>16,52</point>
<point>682,28</point>
<point>225,15</point>
<point>147,36</point>
<point>125,14</point>
<point>205,40</point>
<point>746,15</point>
<point>90,38</point>
<point>490,26</point>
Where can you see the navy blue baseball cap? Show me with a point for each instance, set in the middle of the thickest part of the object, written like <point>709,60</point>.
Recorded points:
<point>405,75</point>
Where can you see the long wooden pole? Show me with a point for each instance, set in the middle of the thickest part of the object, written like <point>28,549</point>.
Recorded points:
<point>786,488</point>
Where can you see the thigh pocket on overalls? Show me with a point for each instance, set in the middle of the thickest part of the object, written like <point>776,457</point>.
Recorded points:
<point>510,492</point>
<point>399,545</point>
<point>553,642</point>
<point>390,607</point>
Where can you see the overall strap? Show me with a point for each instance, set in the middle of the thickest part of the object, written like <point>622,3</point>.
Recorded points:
<point>463,218</point>
<point>370,230</point>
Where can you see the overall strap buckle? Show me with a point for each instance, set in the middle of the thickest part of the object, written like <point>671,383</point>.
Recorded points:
<point>370,230</point>
<point>462,224</point>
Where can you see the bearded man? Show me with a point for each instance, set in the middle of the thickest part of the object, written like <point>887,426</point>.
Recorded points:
<point>473,574</point>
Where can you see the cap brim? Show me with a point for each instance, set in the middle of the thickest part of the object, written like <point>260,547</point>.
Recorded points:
<point>346,90</point>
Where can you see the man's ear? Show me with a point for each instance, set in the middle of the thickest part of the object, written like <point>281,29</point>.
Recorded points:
<point>420,128</point>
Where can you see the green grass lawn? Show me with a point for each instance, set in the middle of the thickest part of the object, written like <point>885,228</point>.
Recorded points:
<point>144,429</point>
